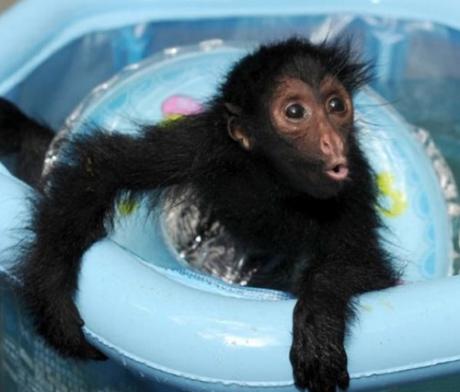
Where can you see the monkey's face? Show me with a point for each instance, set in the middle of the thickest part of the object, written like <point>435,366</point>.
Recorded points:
<point>312,126</point>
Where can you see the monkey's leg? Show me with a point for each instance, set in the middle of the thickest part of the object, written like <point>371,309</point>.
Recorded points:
<point>324,307</point>
<point>69,216</point>
<point>25,137</point>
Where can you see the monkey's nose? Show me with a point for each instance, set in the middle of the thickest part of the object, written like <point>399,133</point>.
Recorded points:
<point>338,171</point>
<point>331,144</point>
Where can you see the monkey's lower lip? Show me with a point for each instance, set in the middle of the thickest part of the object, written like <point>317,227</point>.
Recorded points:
<point>338,172</point>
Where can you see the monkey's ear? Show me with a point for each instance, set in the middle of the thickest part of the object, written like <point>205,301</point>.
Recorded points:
<point>235,130</point>
<point>237,133</point>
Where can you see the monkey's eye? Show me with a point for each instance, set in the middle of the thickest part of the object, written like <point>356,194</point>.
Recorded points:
<point>295,111</point>
<point>336,105</point>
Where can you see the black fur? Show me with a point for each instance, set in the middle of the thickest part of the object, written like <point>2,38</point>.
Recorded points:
<point>26,139</point>
<point>339,235</point>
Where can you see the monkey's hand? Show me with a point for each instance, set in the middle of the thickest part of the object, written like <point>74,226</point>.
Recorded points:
<point>50,261</point>
<point>58,321</point>
<point>317,354</point>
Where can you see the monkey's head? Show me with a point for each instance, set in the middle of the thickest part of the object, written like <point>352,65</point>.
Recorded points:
<point>291,103</point>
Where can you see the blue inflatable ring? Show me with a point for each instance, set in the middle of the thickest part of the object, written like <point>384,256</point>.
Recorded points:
<point>150,312</point>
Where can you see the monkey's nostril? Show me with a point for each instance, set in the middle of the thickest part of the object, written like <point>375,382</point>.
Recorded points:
<point>326,146</point>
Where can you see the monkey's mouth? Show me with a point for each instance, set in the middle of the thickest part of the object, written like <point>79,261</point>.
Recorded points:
<point>319,179</point>
<point>337,171</point>
<point>329,179</point>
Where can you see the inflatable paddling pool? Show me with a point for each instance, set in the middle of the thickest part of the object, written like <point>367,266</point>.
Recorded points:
<point>166,326</point>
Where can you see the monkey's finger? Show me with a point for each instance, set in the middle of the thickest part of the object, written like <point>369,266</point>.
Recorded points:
<point>90,352</point>
<point>344,380</point>
<point>322,386</point>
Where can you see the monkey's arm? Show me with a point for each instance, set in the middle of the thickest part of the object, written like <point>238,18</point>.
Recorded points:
<point>350,261</point>
<point>69,216</point>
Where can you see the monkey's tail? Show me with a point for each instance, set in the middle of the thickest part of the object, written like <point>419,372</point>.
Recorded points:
<point>26,139</point>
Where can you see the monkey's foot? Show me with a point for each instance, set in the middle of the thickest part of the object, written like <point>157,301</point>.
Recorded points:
<point>60,325</point>
<point>317,354</point>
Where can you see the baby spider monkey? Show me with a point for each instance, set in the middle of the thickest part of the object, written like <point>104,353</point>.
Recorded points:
<point>274,158</point>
